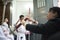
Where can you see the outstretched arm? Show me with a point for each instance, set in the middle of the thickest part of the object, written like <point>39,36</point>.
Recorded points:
<point>40,29</point>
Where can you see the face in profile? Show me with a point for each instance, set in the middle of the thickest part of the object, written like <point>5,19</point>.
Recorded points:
<point>6,19</point>
<point>21,18</point>
<point>51,15</point>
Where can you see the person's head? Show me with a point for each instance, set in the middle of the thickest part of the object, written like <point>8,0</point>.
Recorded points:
<point>53,13</point>
<point>21,17</point>
<point>6,20</point>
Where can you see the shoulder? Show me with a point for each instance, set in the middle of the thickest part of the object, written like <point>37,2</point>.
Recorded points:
<point>5,24</point>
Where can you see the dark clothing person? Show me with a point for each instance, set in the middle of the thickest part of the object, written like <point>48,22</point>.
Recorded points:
<point>55,36</point>
<point>51,27</point>
<point>47,29</point>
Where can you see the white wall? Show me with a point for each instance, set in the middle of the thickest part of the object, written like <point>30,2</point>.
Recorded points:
<point>21,7</point>
<point>58,3</point>
<point>55,2</point>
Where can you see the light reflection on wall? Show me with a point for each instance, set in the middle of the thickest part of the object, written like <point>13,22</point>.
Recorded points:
<point>58,3</point>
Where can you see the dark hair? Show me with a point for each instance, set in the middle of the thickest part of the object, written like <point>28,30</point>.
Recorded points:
<point>21,16</point>
<point>5,18</point>
<point>55,10</point>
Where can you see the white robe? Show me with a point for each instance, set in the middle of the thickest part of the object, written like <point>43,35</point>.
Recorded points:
<point>7,31</point>
<point>2,36</point>
<point>21,33</point>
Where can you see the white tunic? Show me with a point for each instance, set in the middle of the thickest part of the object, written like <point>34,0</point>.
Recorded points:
<point>7,31</point>
<point>2,36</point>
<point>21,33</point>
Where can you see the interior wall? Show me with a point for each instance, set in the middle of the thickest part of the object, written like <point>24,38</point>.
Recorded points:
<point>41,9</point>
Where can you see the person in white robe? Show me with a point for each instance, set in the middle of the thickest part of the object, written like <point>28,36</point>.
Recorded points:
<point>6,30</point>
<point>21,34</point>
<point>2,36</point>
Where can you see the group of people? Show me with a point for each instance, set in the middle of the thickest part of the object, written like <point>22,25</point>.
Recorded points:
<point>50,30</point>
<point>20,28</point>
<point>5,31</point>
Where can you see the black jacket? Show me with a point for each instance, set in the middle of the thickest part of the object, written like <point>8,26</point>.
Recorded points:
<point>47,29</point>
<point>55,36</point>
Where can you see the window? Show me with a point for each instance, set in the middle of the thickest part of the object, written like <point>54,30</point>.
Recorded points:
<point>41,3</point>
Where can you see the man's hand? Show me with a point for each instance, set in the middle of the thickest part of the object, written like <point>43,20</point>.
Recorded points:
<point>27,32</point>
